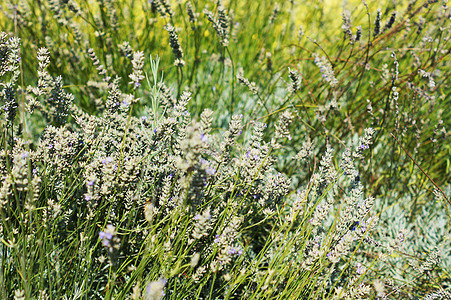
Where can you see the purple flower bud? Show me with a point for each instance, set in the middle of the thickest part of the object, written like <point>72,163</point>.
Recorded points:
<point>216,239</point>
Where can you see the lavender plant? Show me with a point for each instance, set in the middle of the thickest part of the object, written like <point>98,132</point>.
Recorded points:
<point>323,175</point>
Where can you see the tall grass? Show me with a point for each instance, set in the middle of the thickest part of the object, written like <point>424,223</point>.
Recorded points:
<point>224,150</point>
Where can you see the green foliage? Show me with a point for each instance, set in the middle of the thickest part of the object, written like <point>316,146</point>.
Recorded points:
<point>224,150</point>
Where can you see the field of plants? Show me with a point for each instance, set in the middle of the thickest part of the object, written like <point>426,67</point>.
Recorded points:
<point>254,149</point>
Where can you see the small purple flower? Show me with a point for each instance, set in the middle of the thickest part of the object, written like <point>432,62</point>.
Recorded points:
<point>88,197</point>
<point>359,270</point>
<point>91,182</point>
<point>240,252</point>
<point>35,171</point>
<point>25,155</point>
<point>210,171</point>
<point>51,146</point>
<point>203,138</point>
<point>137,84</point>
<point>197,217</point>
<point>102,235</point>
<point>232,251</point>
<point>144,118</point>
<point>216,239</point>
<point>155,130</point>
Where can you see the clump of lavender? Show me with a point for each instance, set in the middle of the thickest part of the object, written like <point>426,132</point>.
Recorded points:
<point>220,24</point>
<point>44,77</point>
<point>193,16</point>
<point>155,290</point>
<point>9,62</point>
<point>137,75</point>
<point>96,62</point>
<point>58,103</point>
<point>250,85</point>
<point>4,53</point>
<point>347,26</point>
<point>126,50</point>
<point>377,23</point>
<point>282,128</point>
<point>390,22</point>
<point>175,45</point>
<point>275,12</point>
<point>163,7</point>
<point>326,69</point>
<point>202,224</point>
<point>295,83</point>
<point>110,241</point>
